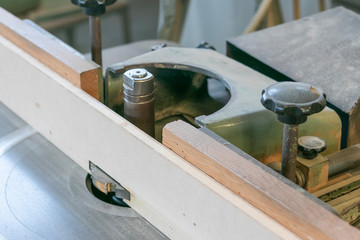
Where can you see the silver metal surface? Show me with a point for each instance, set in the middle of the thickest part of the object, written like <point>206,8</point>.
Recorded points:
<point>9,122</point>
<point>14,138</point>
<point>139,99</point>
<point>44,194</point>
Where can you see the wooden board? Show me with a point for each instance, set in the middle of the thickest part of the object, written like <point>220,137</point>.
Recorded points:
<point>82,73</point>
<point>177,198</point>
<point>251,182</point>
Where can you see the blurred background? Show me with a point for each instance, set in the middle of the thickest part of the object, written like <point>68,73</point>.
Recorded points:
<point>132,20</point>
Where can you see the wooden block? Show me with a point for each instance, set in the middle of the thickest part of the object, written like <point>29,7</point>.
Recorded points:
<point>82,73</point>
<point>252,182</point>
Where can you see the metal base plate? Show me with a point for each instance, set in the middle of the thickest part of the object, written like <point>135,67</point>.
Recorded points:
<point>43,195</point>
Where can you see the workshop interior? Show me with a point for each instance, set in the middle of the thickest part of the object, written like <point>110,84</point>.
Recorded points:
<point>238,96</point>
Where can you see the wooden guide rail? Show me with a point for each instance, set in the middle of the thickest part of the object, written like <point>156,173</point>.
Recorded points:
<point>84,74</point>
<point>278,200</point>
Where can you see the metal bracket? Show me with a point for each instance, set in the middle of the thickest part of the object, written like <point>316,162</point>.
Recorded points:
<point>106,184</point>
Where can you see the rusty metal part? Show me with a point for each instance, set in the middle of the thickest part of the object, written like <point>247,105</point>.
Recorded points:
<point>299,175</point>
<point>315,171</point>
<point>95,34</point>
<point>94,8</point>
<point>292,102</point>
<point>311,174</point>
<point>289,151</point>
<point>344,160</point>
<point>310,146</point>
<point>139,99</point>
<point>243,121</point>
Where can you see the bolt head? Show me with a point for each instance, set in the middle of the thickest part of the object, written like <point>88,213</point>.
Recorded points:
<point>137,73</point>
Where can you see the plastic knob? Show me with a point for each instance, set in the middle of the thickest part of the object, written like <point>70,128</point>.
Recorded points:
<point>93,7</point>
<point>310,146</point>
<point>293,101</point>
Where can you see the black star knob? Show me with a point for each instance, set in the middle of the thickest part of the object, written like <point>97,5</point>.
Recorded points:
<point>310,146</point>
<point>293,101</point>
<point>93,7</point>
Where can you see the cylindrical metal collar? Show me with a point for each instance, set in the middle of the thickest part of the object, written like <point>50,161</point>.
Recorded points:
<point>138,82</point>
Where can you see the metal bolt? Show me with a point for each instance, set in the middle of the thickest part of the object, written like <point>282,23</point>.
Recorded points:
<point>95,34</point>
<point>293,102</point>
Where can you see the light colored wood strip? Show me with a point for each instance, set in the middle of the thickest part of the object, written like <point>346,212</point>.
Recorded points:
<point>260,14</point>
<point>322,5</point>
<point>297,13</point>
<point>246,179</point>
<point>82,73</point>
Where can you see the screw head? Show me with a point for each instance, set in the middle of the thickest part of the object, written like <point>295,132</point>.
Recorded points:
<point>138,73</point>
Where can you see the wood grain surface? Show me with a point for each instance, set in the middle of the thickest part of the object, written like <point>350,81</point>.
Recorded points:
<point>251,182</point>
<point>82,73</point>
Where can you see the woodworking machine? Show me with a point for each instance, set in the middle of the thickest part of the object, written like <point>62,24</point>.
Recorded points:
<point>294,118</point>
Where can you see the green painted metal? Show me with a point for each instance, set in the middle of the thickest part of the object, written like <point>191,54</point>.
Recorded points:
<point>260,133</point>
<point>243,121</point>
